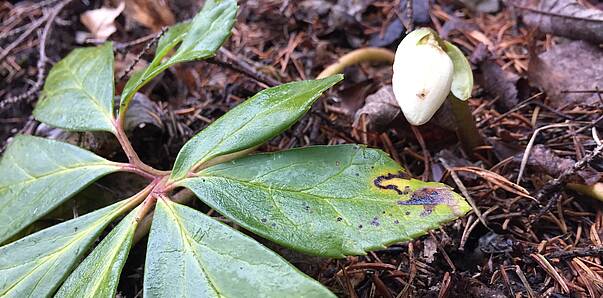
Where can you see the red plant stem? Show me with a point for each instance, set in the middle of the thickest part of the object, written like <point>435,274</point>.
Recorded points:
<point>131,154</point>
<point>147,205</point>
<point>142,195</point>
<point>128,167</point>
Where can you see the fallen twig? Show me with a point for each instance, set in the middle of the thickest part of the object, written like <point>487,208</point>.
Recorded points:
<point>578,252</point>
<point>555,184</point>
<point>41,65</point>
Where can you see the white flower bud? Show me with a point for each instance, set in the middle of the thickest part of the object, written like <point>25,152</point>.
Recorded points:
<point>422,76</point>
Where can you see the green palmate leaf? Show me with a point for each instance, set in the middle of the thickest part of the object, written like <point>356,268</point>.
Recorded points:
<point>462,77</point>
<point>326,200</point>
<point>37,175</point>
<point>200,39</point>
<point>78,93</point>
<point>191,255</point>
<point>251,123</point>
<point>98,275</point>
<point>36,265</point>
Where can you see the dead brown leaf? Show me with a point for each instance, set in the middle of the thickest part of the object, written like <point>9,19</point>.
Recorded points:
<point>565,18</point>
<point>100,22</point>
<point>545,160</point>
<point>153,14</point>
<point>568,67</point>
<point>500,83</point>
<point>380,109</point>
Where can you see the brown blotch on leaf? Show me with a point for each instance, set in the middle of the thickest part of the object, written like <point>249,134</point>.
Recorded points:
<point>429,197</point>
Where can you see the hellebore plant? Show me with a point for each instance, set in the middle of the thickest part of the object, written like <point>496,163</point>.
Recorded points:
<point>329,201</point>
<point>427,70</point>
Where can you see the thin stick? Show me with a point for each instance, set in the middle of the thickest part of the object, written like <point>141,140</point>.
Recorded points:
<point>23,36</point>
<point>148,46</point>
<point>526,154</point>
<point>464,191</point>
<point>555,184</point>
<point>41,66</point>
<point>236,63</point>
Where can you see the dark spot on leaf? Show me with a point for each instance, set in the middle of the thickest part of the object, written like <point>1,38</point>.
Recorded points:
<point>263,220</point>
<point>383,212</point>
<point>273,225</point>
<point>337,163</point>
<point>357,174</point>
<point>375,222</point>
<point>339,219</point>
<point>360,226</point>
<point>407,213</point>
<point>396,221</point>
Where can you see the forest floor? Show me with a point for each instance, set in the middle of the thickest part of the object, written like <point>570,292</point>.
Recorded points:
<point>538,67</point>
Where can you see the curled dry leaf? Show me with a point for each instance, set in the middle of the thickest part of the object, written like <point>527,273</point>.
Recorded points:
<point>379,109</point>
<point>100,22</point>
<point>393,32</point>
<point>347,12</point>
<point>153,14</point>
<point>573,66</point>
<point>486,6</point>
<point>544,160</point>
<point>500,83</point>
<point>143,112</point>
<point>565,18</point>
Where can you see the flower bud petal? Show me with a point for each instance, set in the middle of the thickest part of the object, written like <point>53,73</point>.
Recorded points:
<point>422,79</point>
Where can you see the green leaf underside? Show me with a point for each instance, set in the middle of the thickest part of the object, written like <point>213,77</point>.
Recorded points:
<point>462,77</point>
<point>98,275</point>
<point>252,122</point>
<point>200,39</point>
<point>37,175</point>
<point>191,255</point>
<point>78,93</point>
<point>36,265</point>
<point>326,200</point>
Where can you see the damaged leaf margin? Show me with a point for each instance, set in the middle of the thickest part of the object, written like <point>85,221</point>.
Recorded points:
<point>329,201</point>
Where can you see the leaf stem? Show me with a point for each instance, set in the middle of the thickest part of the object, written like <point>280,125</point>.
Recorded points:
<point>144,225</point>
<point>467,131</point>
<point>358,56</point>
<point>141,195</point>
<point>147,205</point>
<point>128,167</point>
<point>132,155</point>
